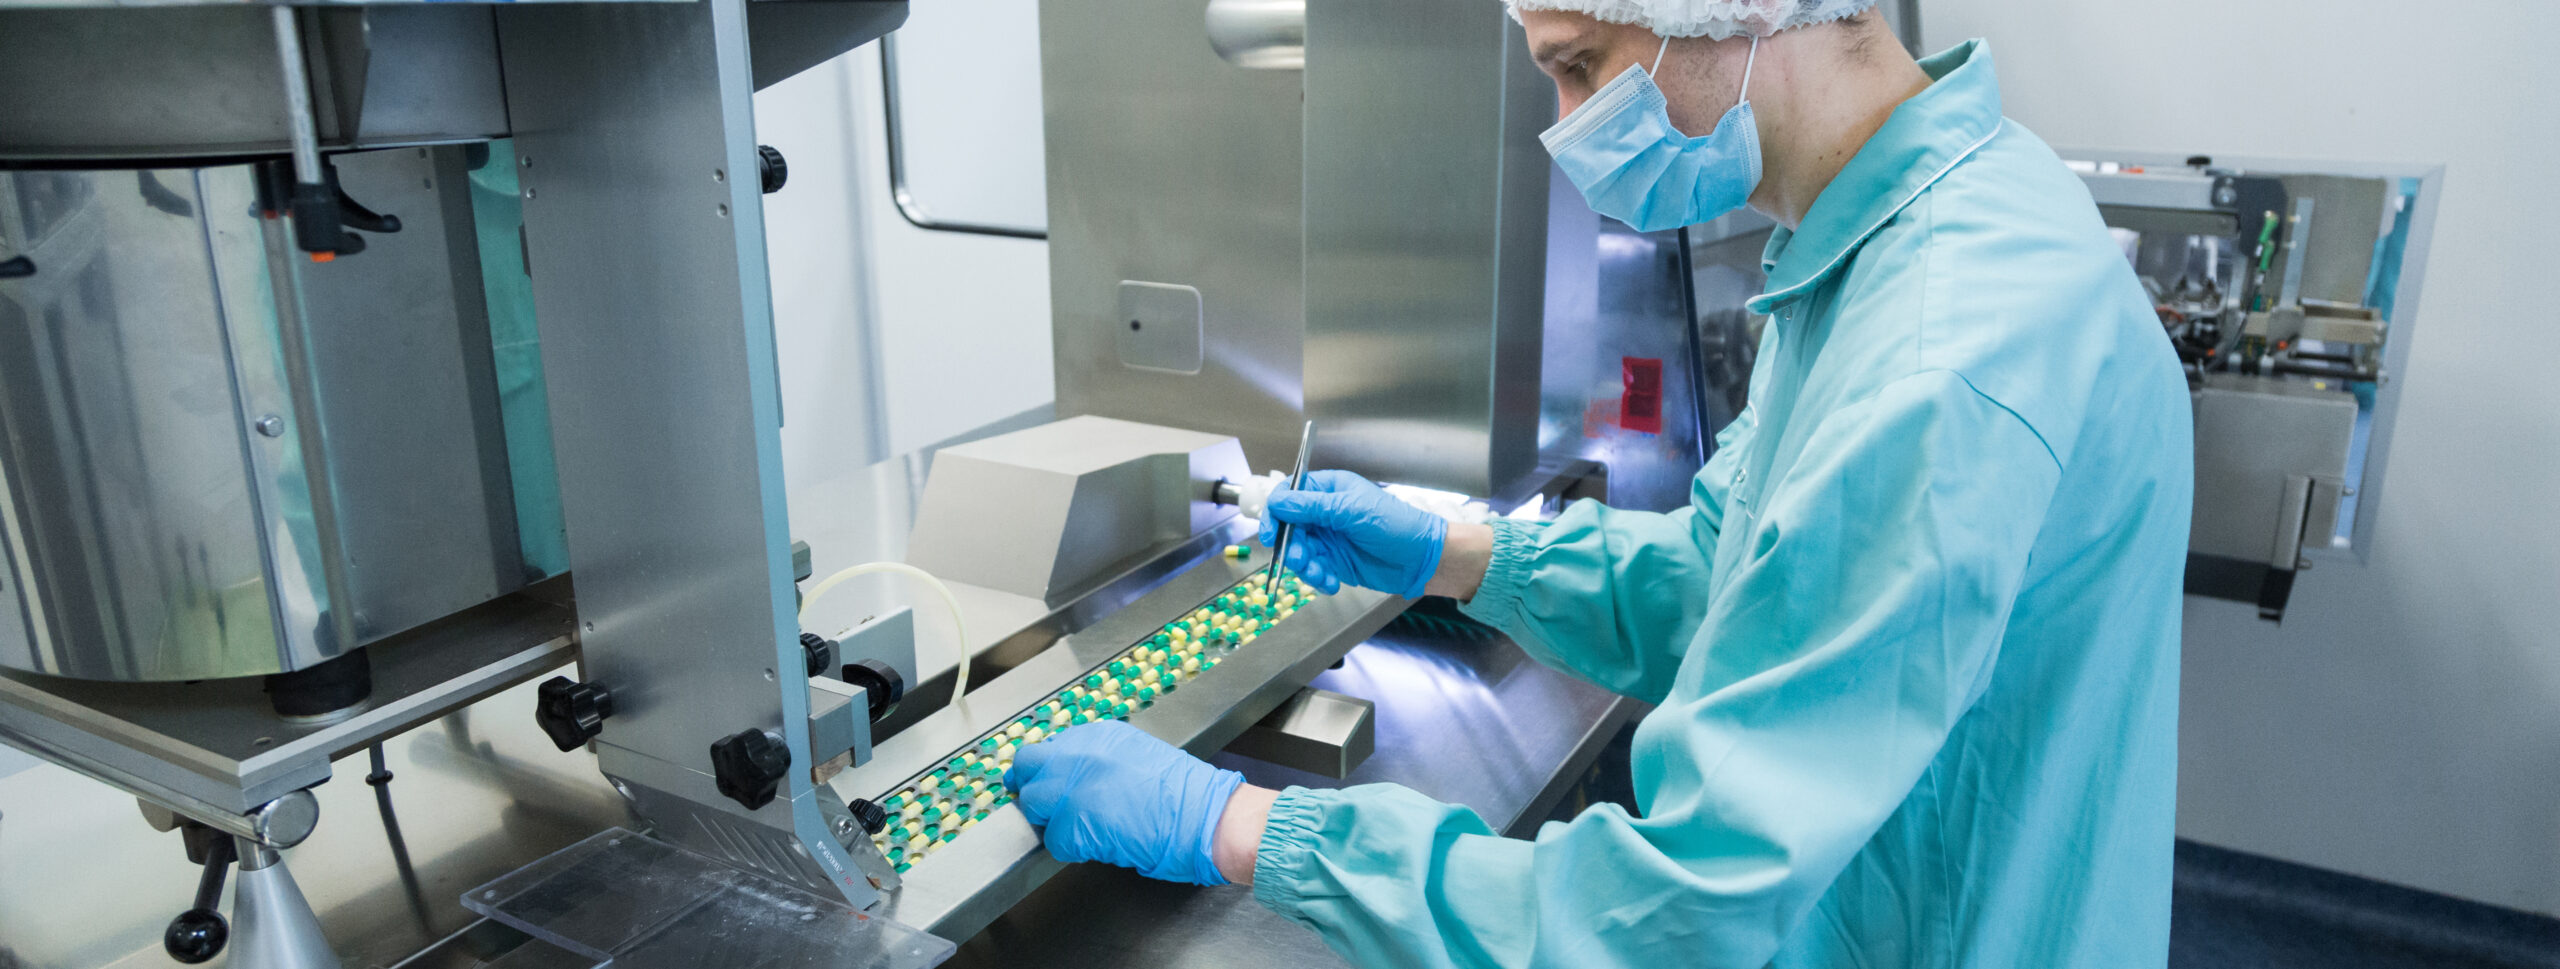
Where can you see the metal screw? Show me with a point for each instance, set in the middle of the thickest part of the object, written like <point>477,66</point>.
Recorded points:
<point>525,160</point>
<point>270,425</point>
<point>2225,195</point>
<point>528,191</point>
<point>722,208</point>
<point>719,176</point>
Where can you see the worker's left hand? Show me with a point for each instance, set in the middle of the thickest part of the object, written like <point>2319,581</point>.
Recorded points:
<point>1111,792</point>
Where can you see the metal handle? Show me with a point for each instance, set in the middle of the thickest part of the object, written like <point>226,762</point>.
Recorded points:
<point>908,208</point>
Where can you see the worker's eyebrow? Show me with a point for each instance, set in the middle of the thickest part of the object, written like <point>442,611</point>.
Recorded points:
<point>1551,51</point>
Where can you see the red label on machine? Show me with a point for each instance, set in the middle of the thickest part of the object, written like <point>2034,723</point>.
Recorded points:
<point>1640,406</point>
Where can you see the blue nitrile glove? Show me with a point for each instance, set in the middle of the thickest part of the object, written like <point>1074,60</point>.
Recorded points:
<point>1110,792</point>
<point>1349,530</point>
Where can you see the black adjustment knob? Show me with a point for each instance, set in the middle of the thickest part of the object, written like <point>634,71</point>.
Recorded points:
<point>871,816</point>
<point>572,712</point>
<point>819,652</point>
<point>773,170</point>
<point>17,267</point>
<point>195,936</point>
<point>747,766</point>
<point>880,684</point>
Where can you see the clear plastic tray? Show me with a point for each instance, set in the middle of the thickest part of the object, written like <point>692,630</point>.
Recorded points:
<point>642,903</point>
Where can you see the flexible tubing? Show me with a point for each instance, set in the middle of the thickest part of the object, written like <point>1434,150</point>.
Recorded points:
<point>959,630</point>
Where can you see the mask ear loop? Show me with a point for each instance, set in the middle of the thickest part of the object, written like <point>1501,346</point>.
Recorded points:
<point>1747,62</point>
<point>1655,71</point>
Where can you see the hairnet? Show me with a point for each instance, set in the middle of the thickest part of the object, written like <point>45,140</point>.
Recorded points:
<point>1718,19</point>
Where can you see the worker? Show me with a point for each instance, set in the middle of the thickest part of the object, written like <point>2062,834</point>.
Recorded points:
<point>1912,650</point>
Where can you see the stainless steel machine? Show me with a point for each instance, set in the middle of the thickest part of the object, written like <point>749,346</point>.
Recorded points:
<point>388,415</point>
<point>2288,289</point>
<point>285,476</point>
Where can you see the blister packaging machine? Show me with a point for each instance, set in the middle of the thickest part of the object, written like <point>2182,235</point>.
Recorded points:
<point>390,400</point>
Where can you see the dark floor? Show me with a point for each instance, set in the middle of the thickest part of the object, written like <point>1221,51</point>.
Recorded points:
<point>2240,911</point>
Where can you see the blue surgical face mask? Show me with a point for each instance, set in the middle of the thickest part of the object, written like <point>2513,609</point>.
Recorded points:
<point>1633,166</point>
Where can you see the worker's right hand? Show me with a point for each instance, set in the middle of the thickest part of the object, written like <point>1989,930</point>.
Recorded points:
<point>1346,529</point>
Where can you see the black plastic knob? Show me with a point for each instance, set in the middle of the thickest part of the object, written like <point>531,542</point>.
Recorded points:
<point>819,652</point>
<point>571,712</point>
<point>195,935</point>
<point>771,168</point>
<point>748,766</point>
<point>871,816</point>
<point>17,267</point>
<point>880,684</point>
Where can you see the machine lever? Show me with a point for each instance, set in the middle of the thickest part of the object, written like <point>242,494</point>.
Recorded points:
<point>198,934</point>
<point>354,215</point>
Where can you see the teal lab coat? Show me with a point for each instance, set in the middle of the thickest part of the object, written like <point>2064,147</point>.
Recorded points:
<point>1914,645</point>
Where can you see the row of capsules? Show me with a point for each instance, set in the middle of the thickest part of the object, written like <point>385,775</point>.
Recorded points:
<point>933,810</point>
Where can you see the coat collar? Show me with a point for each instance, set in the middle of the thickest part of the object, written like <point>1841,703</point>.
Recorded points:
<point>1924,139</point>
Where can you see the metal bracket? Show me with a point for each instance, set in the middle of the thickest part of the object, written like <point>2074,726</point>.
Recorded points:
<point>1317,731</point>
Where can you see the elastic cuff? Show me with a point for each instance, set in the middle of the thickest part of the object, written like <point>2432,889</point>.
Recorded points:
<point>1498,597</point>
<point>1288,843</point>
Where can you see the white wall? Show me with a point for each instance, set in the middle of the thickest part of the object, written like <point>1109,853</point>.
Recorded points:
<point>2404,722</point>
<point>892,337</point>
<point>825,296</point>
<point>965,318</point>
